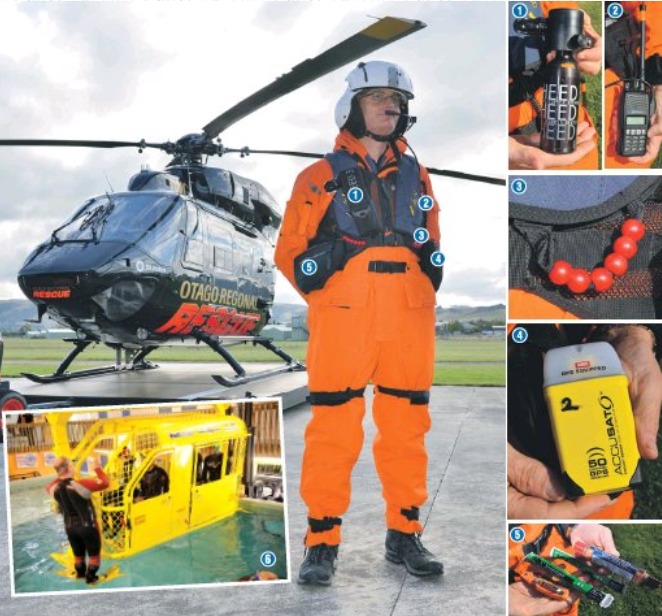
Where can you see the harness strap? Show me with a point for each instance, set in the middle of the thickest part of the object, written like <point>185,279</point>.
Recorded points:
<point>415,397</point>
<point>387,267</point>
<point>411,514</point>
<point>327,523</point>
<point>334,398</point>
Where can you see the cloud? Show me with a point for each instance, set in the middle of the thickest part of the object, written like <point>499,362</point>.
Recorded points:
<point>159,70</point>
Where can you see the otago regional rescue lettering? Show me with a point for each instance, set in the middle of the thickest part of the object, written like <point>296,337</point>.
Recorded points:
<point>210,319</point>
<point>212,294</point>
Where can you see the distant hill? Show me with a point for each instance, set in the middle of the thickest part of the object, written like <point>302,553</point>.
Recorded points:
<point>496,312</point>
<point>283,313</point>
<point>14,312</point>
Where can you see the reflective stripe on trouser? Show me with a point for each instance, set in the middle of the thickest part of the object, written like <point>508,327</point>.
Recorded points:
<point>368,326</point>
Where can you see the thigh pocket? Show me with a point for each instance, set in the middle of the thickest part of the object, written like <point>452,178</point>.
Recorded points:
<point>420,292</point>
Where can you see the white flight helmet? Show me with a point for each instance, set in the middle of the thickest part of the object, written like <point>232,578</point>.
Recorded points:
<point>368,75</point>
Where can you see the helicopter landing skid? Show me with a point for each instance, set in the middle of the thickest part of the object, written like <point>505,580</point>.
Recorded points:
<point>242,377</point>
<point>132,362</point>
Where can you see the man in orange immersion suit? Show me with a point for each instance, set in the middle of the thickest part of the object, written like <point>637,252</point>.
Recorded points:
<point>359,241</point>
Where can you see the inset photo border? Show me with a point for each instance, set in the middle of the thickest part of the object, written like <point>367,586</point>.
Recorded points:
<point>147,496</point>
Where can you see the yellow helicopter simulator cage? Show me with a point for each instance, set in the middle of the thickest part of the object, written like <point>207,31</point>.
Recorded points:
<point>169,474</point>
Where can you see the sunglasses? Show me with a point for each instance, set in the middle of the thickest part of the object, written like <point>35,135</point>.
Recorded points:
<point>379,98</point>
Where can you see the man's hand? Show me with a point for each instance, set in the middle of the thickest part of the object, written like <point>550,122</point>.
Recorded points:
<point>594,535</point>
<point>534,492</point>
<point>634,346</point>
<point>524,150</point>
<point>589,61</point>
<point>525,601</point>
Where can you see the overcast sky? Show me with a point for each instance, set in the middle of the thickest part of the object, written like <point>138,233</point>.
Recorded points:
<point>158,70</point>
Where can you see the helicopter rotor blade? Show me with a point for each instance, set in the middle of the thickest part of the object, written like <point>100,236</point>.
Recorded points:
<point>383,32</point>
<point>459,175</point>
<point>79,143</point>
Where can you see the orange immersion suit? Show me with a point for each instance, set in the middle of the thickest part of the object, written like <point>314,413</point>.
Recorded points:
<point>373,320</point>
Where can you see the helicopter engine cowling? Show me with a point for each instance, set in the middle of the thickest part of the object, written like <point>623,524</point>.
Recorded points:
<point>155,180</point>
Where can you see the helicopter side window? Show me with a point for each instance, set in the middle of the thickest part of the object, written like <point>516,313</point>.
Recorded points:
<point>243,257</point>
<point>209,463</point>
<point>194,253</point>
<point>155,481</point>
<point>246,196</point>
<point>221,241</point>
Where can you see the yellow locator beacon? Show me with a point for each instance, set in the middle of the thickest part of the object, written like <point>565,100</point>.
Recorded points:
<point>589,407</point>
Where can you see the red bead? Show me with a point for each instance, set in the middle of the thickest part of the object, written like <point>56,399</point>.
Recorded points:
<point>625,246</point>
<point>579,281</point>
<point>602,279</point>
<point>633,228</point>
<point>560,273</point>
<point>616,264</point>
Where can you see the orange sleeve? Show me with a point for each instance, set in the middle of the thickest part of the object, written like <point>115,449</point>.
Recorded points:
<point>303,214</point>
<point>95,485</point>
<point>548,6</point>
<point>433,216</point>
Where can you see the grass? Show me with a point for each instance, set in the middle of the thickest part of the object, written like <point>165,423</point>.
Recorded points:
<point>639,544</point>
<point>473,375</point>
<point>470,361</point>
<point>593,96</point>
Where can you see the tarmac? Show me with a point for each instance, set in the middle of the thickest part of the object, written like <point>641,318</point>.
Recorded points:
<point>464,525</point>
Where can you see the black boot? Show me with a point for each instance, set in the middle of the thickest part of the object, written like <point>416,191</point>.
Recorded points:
<point>81,569</point>
<point>319,565</point>
<point>407,549</point>
<point>91,577</point>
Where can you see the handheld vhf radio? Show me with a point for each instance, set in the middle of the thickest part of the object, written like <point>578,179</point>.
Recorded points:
<point>563,33</point>
<point>636,105</point>
<point>591,416</point>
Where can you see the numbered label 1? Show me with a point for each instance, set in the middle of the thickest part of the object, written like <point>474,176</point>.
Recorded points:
<point>615,10</point>
<point>520,10</point>
<point>421,235</point>
<point>517,534</point>
<point>355,195</point>
<point>309,267</point>
<point>437,258</point>
<point>268,559</point>
<point>425,202</point>
<point>519,335</point>
<point>518,186</point>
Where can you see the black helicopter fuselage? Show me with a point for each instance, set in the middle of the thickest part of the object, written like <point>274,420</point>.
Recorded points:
<point>183,252</point>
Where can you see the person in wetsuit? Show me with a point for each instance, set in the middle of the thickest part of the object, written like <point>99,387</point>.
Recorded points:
<point>73,501</point>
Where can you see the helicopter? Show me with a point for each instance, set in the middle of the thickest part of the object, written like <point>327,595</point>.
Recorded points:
<point>185,252</point>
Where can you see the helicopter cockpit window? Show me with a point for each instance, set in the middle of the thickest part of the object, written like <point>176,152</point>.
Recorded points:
<point>194,254</point>
<point>119,217</point>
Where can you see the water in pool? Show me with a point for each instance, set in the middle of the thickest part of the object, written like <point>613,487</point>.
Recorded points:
<point>222,552</point>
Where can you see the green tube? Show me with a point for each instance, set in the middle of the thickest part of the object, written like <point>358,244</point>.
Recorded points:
<point>603,579</point>
<point>602,598</point>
